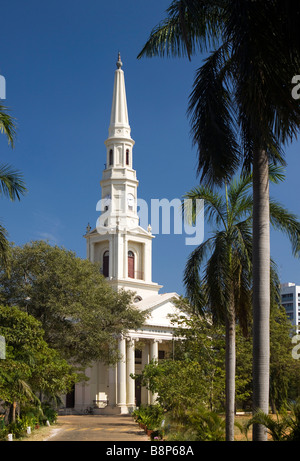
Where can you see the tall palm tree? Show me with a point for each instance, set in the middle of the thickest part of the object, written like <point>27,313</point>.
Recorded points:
<point>225,258</point>
<point>242,113</point>
<point>11,180</point>
<point>222,265</point>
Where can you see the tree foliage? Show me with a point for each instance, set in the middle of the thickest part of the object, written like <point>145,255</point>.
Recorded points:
<point>30,366</point>
<point>79,312</point>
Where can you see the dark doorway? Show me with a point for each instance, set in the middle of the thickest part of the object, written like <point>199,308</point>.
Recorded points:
<point>70,398</point>
<point>138,392</point>
<point>106,264</point>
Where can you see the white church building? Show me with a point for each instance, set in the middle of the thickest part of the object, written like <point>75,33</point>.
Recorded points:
<point>124,251</point>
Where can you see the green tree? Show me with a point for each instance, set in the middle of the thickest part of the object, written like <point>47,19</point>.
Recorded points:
<point>222,265</point>
<point>242,113</point>
<point>79,312</point>
<point>178,383</point>
<point>284,369</point>
<point>200,340</point>
<point>30,366</point>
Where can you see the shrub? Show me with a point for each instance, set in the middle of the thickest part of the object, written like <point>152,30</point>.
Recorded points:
<point>196,424</point>
<point>284,427</point>
<point>19,427</point>
<point>49,413</point>
<point>150,416</point>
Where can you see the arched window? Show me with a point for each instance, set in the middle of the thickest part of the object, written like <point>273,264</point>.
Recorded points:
<point>111,157</point>
<point>127,156</point>
<point>106,264</point>
<point>130,264</point>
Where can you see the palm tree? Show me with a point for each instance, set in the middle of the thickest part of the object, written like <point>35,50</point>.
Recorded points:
<point>285,427</point>
<point>242,114</point>
<point>226,261</point>
<point>227,273</point>
<point>11,180</point>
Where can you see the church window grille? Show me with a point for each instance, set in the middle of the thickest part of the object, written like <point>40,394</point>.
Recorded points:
<point>127,157</point>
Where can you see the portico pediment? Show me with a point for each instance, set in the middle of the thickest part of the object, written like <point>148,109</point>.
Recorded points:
<point>160,308</point>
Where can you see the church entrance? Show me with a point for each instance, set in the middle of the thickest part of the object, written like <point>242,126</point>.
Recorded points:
<point>70,398</point>
<point>138,392</point>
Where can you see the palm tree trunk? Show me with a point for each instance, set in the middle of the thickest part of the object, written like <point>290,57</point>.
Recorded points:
<point>261,288</point>
<point>14,406</point>
<point>230,375</point>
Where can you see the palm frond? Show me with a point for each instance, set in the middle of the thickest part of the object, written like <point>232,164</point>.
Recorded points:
<point>213,124</point>
<point>11,182</point>
<point>190,25</point>
<point>240,199</point>
<point>7,125</point>
<point>4,248</point>
<point>218,277</point>
<point>286,222</point>
<point>214,205</point>
<point>191,278</point>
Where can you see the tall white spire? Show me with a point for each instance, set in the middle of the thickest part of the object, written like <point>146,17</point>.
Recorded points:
<point>119,243</point>
<point>119,124</point>
<point>119,183</point>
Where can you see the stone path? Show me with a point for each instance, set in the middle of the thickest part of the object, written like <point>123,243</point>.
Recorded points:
<point>97,428</point>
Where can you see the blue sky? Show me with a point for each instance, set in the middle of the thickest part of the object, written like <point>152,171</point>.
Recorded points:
<point>58,59</point>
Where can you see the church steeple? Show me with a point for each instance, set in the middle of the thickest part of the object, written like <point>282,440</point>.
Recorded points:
<point>119,183</point>
<point>119,123</point>
<point>121,246</point>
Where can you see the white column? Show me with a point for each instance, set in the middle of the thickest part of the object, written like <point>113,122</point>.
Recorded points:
<point>119,253</point>
<point>125,259</point>
<point>154,350</point>
<point>91,251</point>
<point>122,376</point>
<point>111,258</point>
<point>130,370</point>
<point>148,261</point>
<point>112,386</point>
<point>153,356</point>
<point>145,394</point>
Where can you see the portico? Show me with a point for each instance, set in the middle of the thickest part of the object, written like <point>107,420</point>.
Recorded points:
<point>124,396</point>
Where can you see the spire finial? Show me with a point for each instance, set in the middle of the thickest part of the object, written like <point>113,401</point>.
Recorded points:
<point>119,62</point>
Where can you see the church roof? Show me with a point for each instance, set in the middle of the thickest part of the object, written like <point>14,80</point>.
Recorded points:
<point>154,301</point>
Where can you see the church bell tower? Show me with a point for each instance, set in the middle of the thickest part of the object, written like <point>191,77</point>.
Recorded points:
<point>121,246</point>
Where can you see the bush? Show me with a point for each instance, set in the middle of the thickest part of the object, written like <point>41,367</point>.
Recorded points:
<point>31,416</point>
<point>196,424</point>
<point>3,429</point>
<point>19,427</point>
<point>49,413</point>
<point>284,427</point>
<point>150,416</point>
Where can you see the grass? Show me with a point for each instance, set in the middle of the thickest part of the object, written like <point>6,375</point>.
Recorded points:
<point>40,434</point>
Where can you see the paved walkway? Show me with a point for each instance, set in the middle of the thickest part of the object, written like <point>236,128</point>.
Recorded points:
<point>97,428</point>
